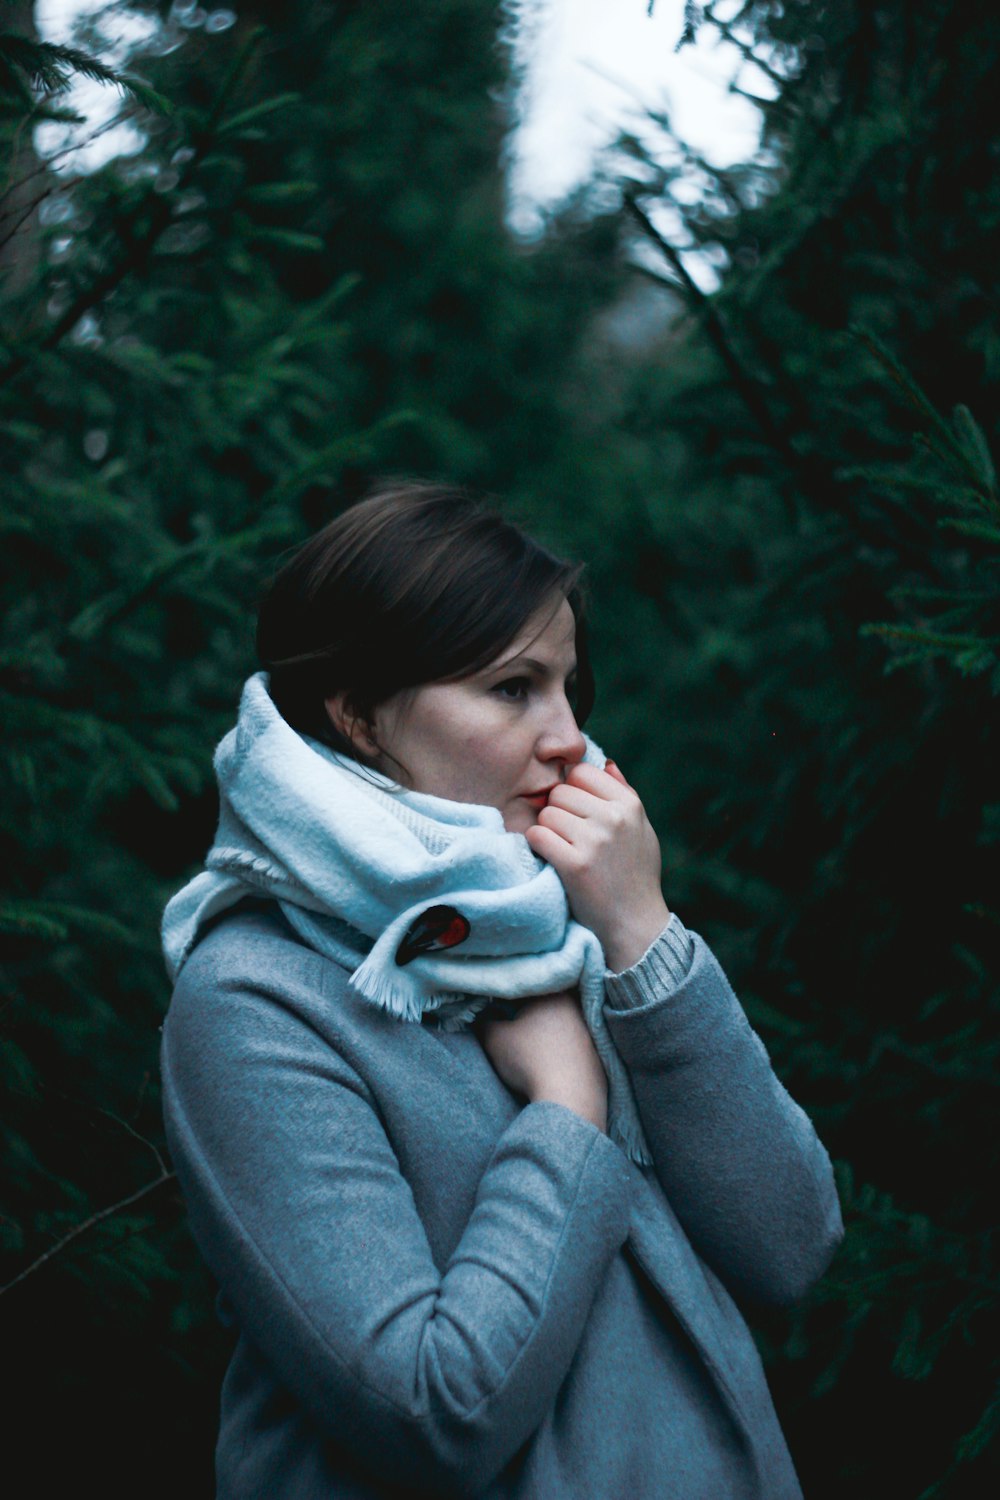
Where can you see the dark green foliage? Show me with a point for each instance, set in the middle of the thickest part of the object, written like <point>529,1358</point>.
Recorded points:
<point>819,545</point>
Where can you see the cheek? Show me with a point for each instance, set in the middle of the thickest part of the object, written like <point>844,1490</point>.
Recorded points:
<point>460,761</point>
<point>475,740</point>
<point>468,751</point>
<point>481,771</point>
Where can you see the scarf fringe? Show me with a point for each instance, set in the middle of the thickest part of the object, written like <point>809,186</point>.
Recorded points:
<point>449,1011</point>
<point>456,1017</point>
<point>399,1000</point>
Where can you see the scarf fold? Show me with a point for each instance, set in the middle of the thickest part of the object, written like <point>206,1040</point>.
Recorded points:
<point>432,905</point>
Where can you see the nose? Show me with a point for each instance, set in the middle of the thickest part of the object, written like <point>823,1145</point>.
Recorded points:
<point>561,741</point>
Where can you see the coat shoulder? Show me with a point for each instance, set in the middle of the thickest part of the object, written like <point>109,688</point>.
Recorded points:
<point>251,972</point>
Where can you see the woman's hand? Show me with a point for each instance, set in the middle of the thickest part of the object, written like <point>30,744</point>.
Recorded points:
<point>546,1052</point>
<point>595,832</point>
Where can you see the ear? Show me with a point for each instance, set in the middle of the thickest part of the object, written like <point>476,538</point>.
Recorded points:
<point>348,722</point>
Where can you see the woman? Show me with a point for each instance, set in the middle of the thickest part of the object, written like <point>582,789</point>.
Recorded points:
<point>495,1253</point>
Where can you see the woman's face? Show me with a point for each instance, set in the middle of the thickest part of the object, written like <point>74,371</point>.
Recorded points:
<point>502,737</point>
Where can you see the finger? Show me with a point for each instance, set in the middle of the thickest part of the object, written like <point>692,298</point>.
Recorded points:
<point>613,769</point>
<point>573,799</point>
<point>594,779</point>
<point>567,825</point>
<point>548,845</point>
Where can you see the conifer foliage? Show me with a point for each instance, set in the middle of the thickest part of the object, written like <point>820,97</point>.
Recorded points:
<point>821,538</point>
<point>144,452</point>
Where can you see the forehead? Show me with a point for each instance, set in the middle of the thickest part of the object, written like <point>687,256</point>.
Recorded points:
<point>551,632</point>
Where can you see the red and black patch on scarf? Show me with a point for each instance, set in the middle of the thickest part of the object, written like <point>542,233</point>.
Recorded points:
<point>436,928</point>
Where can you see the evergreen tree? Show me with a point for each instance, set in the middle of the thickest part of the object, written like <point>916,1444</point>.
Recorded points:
<point>811,559</point>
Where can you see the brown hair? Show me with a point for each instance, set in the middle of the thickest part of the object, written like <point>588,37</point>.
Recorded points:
<point>417,583</point>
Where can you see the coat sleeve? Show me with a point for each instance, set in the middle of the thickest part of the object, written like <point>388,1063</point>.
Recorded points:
<point>738,1159</point>
<point>431,1377</point>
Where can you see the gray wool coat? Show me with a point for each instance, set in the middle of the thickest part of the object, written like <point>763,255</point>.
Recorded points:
<point>437,1290</point>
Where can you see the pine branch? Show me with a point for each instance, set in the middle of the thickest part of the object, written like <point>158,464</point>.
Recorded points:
<point>51,67</point>
<point>928,637</point>
<point>114,606</point>
<point>944,445</point>
<point>88,1224</point>
<point>745,384</point>
<point>53,921</point>
<point>694,17</point>
<point>665,281</point>
<point>63,185</point>
<point>746,51</point>
<point>26,213</point>
<point>137,249</point>
<point>140,1138</point>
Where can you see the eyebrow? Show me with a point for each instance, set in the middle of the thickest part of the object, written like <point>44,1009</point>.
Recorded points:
<point>531,663</point>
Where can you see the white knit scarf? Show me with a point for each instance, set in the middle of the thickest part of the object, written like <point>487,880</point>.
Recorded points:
<point>430,904</point>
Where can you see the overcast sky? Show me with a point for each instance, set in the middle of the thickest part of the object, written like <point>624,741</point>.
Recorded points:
<point>590,66</point>
<point>593,67</point>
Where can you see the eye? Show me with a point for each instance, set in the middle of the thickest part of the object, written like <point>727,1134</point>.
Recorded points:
<point>514,689</point>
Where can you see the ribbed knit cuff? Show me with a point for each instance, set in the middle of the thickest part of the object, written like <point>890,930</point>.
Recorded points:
<point>662,968</point>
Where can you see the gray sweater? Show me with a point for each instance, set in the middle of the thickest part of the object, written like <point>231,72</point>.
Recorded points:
<point>438,1290</point>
